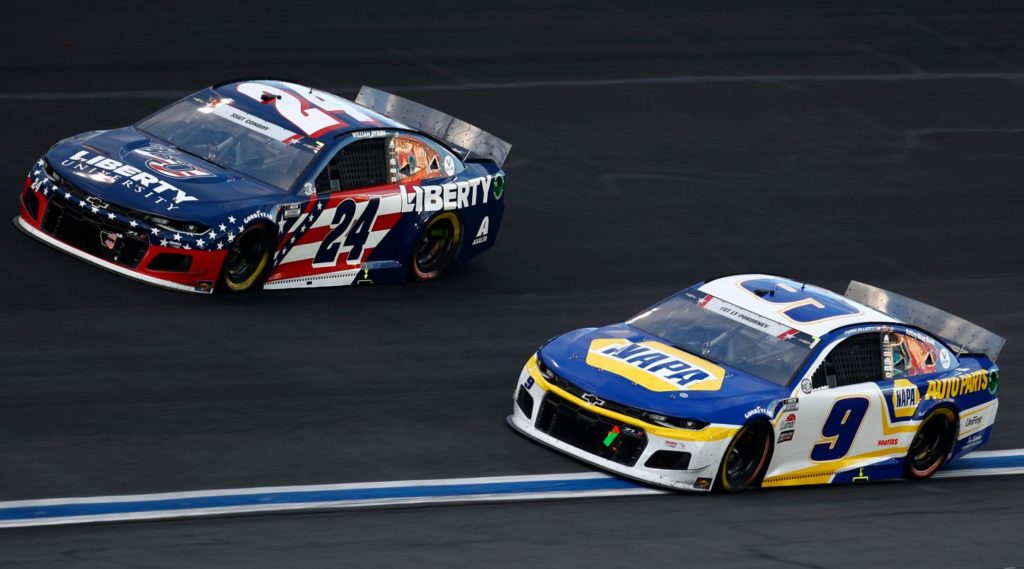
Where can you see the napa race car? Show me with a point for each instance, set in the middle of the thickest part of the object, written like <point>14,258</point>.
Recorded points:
<point>758,380</point>
<point>267,183</point>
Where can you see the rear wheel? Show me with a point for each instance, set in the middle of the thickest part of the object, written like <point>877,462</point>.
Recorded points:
<point>248,261</point>
<point>931,444</point>
<point>746,458</point>
<point>436,247</point>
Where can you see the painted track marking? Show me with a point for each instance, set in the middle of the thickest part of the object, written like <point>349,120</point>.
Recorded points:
<point>61,511</point>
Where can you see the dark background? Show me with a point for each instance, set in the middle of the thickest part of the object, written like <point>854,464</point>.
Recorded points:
<point>654,145</point>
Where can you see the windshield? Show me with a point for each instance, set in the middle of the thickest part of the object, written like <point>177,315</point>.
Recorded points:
<point>727,334</point>
<point>232,139</point>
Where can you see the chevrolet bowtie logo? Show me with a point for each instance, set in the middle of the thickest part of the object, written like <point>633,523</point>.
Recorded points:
<point>93,200</point>
<point>592,399</point>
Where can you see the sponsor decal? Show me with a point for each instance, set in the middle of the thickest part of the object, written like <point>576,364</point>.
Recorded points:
<point>149,186</point>
<point>790,421</point>
<point>945,359</point>
<point>481,234</point>
<point>445,197</point>
<point>292,210</point>
<point>162,161</point>
<point>449,165</point>
<point>791,404</point>
<point>654,365</point>
<point>109,239</point>
<point>957,386</point>
<point>785,436</point>
<point>887,367</point>
<point>805,385</point>
<point>972,421</point>
<point>498,187</point>
<point>890,442</point>
<point>993,380</point>
<point>973,441</point>
<point>757,410</point>
<point>671,443</point>
<point>702,483</point>
<point>904,398</point>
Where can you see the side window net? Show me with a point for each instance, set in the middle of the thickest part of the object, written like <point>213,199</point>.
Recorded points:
<point>361,164</point>
<point>857,360</point>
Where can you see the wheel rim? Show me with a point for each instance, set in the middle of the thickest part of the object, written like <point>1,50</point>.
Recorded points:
<point>437,244</point>
<point>746,457</point>
<point>246,260</point>
<point>926,452</point>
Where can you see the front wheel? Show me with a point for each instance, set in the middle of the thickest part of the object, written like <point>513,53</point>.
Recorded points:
<point>436,247</point>
<point>248,261</point>
<point>931,444</point>
<point>746,458</point>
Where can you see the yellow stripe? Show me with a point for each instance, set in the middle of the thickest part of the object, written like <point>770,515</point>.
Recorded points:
<point>707,434</point>
<point>823,473</point>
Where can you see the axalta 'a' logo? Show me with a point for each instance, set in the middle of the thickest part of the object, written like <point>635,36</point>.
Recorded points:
<point>955,386</point>
<point>904,398</point>
<point>655,366</point>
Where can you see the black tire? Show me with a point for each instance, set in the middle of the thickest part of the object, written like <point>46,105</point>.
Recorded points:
<point>746,458</point>
<point>248,261</point>
<point>436,247</point>
<point>931,444</point>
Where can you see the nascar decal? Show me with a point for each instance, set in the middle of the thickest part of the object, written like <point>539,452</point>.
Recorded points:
<point>162,161</point>
<point>655,366</point>
<point>904,398</point>
<point>447,197</point>
<point>108,170</point>
<point>335,235</point>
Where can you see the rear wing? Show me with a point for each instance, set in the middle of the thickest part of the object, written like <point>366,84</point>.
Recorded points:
<point>962,335</point>
<point>473,141</point>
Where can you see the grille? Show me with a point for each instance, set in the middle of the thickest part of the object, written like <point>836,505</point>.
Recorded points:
<point>525,402</point>
<point>363,163</point>
<point>94,233</point>
<point>589,432</point>
<point>669,460</point>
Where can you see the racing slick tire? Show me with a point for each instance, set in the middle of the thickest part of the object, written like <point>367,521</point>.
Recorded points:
<point>248,261</point>
<point>437,246</point>
<point>931,444</point>
<point>746,458</point>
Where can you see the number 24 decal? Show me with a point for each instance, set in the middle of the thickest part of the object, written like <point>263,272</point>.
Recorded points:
<point>354,234</point>
<point>840,429</point>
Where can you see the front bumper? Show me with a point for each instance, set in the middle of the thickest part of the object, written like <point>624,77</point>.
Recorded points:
<point>113,240</point>
<point>639,441</point>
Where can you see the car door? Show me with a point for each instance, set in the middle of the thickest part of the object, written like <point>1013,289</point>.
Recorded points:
<point>356,204</point>
<point>837,421</point>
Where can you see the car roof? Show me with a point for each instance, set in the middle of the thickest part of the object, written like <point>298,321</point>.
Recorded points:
<point>804,307</point>
<point>350,116</point>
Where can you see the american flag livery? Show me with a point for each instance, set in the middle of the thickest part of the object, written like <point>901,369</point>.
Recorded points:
<point>328,243</point>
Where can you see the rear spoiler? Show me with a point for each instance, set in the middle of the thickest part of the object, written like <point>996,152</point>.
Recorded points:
<point>961,335</point>
<point>473,141</point>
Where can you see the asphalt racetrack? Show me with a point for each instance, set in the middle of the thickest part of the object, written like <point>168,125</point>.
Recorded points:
<point>653,146</point>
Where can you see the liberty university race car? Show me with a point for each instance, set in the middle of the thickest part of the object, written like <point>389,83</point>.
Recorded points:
<point>268,183</point>
<point>758,380</point>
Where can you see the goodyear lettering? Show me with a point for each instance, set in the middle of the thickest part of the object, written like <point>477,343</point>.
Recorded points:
<point>956,386</point>
<point>445,197</point>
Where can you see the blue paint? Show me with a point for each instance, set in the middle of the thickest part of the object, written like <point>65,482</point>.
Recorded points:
<point>312,496</point>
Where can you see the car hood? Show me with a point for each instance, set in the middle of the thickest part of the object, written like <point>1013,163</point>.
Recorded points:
<point>623,364</point>
<point>128,168</point>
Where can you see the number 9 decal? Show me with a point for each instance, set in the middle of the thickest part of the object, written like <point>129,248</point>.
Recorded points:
<point>840,429</point>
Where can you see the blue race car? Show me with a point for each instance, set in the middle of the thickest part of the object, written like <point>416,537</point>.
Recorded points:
<point>266,183</point>
<point>758,380</point>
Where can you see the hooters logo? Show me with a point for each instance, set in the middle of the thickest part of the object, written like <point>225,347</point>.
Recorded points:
<point>162,161</point>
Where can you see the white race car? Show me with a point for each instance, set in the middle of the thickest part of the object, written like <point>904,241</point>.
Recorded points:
<point>758,380</point>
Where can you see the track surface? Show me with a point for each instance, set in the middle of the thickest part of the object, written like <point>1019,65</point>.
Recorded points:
<point>653,148</point>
